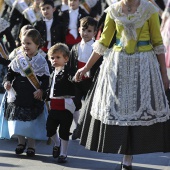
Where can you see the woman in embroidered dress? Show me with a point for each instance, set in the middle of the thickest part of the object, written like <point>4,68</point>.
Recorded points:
<point>127,111</point>
<point>5,32</point>
<point>25,112</point>
<point>165,30</point>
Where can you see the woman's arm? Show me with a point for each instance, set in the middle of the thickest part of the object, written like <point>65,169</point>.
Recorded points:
<point>92,60</point>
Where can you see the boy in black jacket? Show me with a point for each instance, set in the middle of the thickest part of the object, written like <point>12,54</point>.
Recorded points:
<point>50,28</point>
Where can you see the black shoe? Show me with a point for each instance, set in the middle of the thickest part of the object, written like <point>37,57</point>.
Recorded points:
<point>20,149</point>
<point>62,159</point>
<point>75,134</point>
<point>125,167</point>
<point>30,152</point>
<point>56,151</point>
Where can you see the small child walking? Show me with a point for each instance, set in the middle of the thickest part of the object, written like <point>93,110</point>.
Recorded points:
<point>26,82</point>
<point>61,95</point>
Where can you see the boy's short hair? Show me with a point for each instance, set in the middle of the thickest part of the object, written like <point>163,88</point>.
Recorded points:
<point>59,47</point>
<point>46,2</point>
<point>86,21</point>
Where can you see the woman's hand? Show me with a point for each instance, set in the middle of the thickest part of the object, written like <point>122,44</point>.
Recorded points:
<point>165,81</point>
<point>80,73</point>
<point>38,94</point>
<point>7,85</point>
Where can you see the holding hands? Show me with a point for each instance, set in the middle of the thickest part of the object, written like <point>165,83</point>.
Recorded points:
<point>80,73</point>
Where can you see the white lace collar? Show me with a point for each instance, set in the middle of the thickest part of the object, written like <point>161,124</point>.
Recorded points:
<point>133,21</point>
<point>3,24</point>
<point>38,64</point>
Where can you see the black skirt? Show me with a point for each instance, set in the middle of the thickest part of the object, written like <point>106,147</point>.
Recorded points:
<point>129,140</point>
<point>15,112</point>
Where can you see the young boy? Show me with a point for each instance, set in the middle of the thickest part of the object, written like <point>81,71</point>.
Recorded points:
<point>80,54</point>
<point>72,22</point>
<point>61,94</point>
<point>50,28</point>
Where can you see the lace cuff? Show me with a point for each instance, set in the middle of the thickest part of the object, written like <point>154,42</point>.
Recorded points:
<point>99,48</point>
<point>159,49</point>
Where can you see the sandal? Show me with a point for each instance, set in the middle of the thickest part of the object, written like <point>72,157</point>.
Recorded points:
<point>30,152</point>
<point>20,149</point>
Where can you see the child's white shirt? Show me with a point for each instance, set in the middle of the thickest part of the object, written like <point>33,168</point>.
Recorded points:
<point>48,23</point>
<point>53,82</point>
<point>85,50</point>
<point>73,15</point>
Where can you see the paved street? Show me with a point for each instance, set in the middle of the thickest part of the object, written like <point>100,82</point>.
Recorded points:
<point>78,158</point>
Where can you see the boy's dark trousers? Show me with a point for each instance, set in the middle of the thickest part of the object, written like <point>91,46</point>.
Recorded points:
<point>62,119</point>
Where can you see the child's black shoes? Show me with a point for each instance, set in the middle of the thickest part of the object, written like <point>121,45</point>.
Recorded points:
<point>62,159</point>
<point>56,151</point>
<point>20,149</point>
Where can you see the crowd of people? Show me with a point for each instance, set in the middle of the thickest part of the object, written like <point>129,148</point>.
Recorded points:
<point>54,54</point>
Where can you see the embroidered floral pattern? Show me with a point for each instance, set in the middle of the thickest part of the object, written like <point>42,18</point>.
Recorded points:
<point>130,91</point>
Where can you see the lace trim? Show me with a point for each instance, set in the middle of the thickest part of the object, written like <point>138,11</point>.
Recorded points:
<point>3,25</point>
<point>132,21</point>
<point>38,63</point>
<point>99,48</point>
<point>131,90</point>
<point>159,49</point>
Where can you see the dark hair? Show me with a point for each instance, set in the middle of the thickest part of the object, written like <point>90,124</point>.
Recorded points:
<point>59,47</point>
<point>34,35</point>
<point>47,2</point>
<point>86,21</point>
<point>25,28</point>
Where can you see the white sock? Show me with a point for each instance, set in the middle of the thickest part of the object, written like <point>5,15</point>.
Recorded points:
<point>127,160</point>
<point>55,138</point>
<point>31,143</point>
<point>63,148</point>
<point>21,139</point>
<point>76,117</point>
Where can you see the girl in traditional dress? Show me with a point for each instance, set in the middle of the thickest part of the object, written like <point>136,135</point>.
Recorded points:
<point>26,82</point>
<point>127,111</point>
